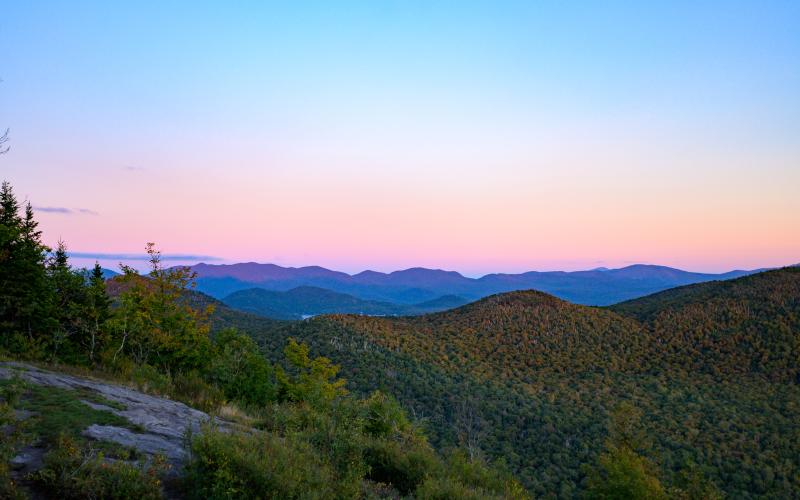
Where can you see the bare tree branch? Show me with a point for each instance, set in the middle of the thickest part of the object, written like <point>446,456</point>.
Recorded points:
<point>3,140</point>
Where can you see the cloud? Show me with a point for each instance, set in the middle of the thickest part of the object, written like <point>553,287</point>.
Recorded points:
<point>65,210</point>
<point>54,210</point>
<point>140,256</point>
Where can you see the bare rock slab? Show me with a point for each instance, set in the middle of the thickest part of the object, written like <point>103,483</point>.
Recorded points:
<point>166,423</point>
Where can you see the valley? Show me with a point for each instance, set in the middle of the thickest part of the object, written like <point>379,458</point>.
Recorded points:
<point>533,379</point>
<point>306,301</point>
<point>400,250</point>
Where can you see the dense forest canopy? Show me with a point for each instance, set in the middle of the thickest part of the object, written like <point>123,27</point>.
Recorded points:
<point>713,369</point>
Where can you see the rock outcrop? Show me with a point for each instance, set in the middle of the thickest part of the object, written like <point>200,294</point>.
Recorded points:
<point>165,423</point>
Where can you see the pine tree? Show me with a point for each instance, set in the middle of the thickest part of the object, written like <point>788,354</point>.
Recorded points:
<point>60,261</point>
<point>9,242</point>
<point>30,233</point>
<point>9,207</point>
<point>25,294</point>
<point>71,305</point>
<point>97,313</point>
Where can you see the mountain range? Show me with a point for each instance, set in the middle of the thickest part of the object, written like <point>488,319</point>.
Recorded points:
<point>708,373</point>
<point>417,285</point>
<point>306,301</point>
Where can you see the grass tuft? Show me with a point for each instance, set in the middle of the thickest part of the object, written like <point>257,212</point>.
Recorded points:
<point>58,411</point>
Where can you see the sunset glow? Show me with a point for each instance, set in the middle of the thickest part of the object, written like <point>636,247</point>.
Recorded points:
<point>395,134</point>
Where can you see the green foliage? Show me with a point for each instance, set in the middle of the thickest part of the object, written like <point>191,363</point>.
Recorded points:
<point>625,429</point>
<point>71,308</point>
<point>96,313</point>
<point>258,466</point>
<point>621,472</point>
<point>335,432</point>
<point>190,387</point>
<point>328,452</point>
<point>530,378</point>
<point>193,389</point>
<point>153,325</point>
<point>13,435</point>
<point>315,382</point>
<point>404,467</point>
<point>726,329</point>
<point>146,378</point>
<point>315,439</point>
<point>240,370</point>
<point>704,380</point>
<point>303,301</point>
<point>445,489</point>
<point>692,484</point>
<point>493,480</point>
<point>26,297</point>
<point>624,474</point>
<point>384,416</point>
<point>47,309</point>
<point>58,411</point>
<point>73,471</point>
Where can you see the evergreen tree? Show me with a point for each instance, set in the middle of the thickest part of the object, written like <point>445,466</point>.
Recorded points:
<point>71,304</point>
<point>25,294</point>
<point>9,242</point>
<point>9,207</point>
<point>97,313</point>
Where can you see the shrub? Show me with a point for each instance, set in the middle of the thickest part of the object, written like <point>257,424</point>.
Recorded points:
<point>71,471</point>
<point>148,379</point>
<point>623,474</point>
<point>403,468</point>
<point>384,416</point>
<point>193,390</point>
<point>337,436</point>
<point>478,474</point>
<point>447,489</point>
<point>316,381</point>
<point>257,465</point>
<point>335,432</point>
<point>11,434</point>
<point>241,371</point>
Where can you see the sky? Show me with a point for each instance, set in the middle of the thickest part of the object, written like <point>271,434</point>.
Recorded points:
<point>473,136</point>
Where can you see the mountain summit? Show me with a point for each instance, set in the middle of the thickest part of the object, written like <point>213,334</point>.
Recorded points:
<point>599,286</point>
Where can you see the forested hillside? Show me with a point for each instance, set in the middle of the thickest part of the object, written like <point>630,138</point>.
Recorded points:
<point>688,393</point>
<point>712,369</point>
<point>291,429</point>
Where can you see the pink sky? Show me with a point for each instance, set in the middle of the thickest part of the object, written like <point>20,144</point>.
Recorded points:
<point>464,136</point>
<point>506,219</point>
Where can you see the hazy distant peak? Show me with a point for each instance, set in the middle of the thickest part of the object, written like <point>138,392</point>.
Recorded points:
<point>368,273</point>
<point>424,271</point>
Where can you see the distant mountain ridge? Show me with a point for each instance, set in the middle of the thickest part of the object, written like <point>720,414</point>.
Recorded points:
<point>305,301</point>
<point>415,285</point>
<point>108,273</point>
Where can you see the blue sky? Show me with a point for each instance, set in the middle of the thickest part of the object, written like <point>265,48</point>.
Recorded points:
<point>479,136</point>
